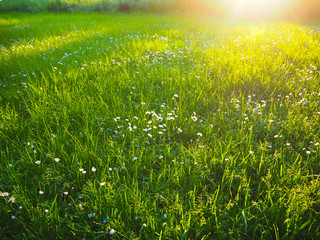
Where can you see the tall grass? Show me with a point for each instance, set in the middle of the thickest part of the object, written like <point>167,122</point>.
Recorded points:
<point>157,127</point>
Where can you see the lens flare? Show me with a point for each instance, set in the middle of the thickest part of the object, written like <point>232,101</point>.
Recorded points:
<point>257,8</point>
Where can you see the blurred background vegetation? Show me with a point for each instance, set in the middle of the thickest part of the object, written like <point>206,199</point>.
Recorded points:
<point>295,9</point>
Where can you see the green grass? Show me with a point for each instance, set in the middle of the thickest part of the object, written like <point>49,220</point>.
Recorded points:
<point>158,127</point>
<point>36,6</point>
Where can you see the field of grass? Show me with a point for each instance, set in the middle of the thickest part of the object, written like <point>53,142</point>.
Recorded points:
<point>36,6</point>
<point>158,127</point>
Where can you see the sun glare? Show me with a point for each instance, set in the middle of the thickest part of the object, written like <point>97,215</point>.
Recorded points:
<point>256,8</point>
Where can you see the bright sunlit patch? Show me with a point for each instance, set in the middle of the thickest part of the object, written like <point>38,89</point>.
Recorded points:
<point>257,8</point>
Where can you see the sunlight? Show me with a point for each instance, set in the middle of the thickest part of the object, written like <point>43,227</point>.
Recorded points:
<point>256,8</point>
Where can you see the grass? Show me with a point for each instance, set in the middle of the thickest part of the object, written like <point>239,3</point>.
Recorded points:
<point>158,127</point>
<point>36,6</point>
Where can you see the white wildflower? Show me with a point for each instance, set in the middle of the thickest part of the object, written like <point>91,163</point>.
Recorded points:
<point>4,194</point>
<point>194,118</point>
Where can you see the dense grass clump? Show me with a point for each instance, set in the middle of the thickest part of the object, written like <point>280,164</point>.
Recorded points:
<point>157,127</point>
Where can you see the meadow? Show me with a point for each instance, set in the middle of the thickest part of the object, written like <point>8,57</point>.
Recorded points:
<point>149,126</point>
